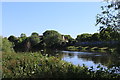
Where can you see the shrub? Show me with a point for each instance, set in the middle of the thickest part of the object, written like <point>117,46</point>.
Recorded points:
<point>6,46</point>
<point>34,65</point>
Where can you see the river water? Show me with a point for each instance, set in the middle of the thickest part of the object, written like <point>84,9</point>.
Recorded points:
<point>89,59</point>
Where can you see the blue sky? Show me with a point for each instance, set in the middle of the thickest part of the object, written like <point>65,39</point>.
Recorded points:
<point>70,18</point>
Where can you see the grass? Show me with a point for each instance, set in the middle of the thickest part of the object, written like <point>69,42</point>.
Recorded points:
<point>35,65</point>
<point>72,48</point>
<point>92,49</point>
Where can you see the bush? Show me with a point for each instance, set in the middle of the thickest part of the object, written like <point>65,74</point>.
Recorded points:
<point>6,46</point>
<point>34,65</point>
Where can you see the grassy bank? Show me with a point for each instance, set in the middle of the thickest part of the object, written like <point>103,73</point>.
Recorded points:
<point>91,49</point>
<point>34,65</point>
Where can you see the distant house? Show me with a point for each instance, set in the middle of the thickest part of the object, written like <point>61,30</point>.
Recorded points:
<point>65,39</point>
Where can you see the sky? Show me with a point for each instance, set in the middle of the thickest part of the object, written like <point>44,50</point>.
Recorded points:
<point>68,18</point>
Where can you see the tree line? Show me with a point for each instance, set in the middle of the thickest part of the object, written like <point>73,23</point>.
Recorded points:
<point>106,34</point>
<point>54,40</point>
<point>108,21</point>
<point>35,42</point>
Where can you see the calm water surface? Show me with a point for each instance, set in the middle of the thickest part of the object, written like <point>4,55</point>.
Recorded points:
<point>88,58</point>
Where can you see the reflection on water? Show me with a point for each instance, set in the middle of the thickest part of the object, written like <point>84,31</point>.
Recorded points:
<point>87,58</point>
<point>80,58</point>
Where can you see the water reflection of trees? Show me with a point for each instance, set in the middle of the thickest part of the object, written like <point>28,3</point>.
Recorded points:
<point>109,61</point>
<point>106,60</point>
<point>70,55</point>
<point>55,53</point>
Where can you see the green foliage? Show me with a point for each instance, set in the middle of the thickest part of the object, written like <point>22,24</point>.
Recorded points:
<point>26,44</point>
<point>109,16</point>
<point>34,65</point>
<point>6,45</point>
<point>34,39</point>
<point>34,33</point>
<point>12,39</point>
<point>71,41</point>
<point>107,34</point>
<point>84,37</point>
<point>20,65</point>
<point>52,38</point>
<point>91,49</point>
<point>68,37</point>
<point>22,38</point>
<point>95,37</point>
<point>72,48</point>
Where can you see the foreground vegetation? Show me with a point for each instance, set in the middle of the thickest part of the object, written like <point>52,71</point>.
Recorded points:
<point>35,65</point>
<point>25,64</point>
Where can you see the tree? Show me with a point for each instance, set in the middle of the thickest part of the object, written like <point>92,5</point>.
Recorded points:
<point>6,45</point>
<point>22,38</point>
<point>110,16</point>
<point>52,38</point>
<point>23,35</point>
<point>70,39</point>
<point>95,37</point>
<point>34,38</point>
<point>12,39</point>
<point>84,37</point>
<point>31,43</point>
<point>107,34</point>
<point>34,33</point>
<point>27,45</point>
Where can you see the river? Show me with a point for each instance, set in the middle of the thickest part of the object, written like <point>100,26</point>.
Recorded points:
<point>89,59</point>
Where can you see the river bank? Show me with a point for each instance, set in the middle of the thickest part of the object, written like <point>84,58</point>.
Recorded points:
<point>35,65</point>
<point>91,49</point>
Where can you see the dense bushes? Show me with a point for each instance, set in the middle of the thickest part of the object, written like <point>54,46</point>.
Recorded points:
<point>34,65</point>
<point>5,45</point>
<point>19,65</point>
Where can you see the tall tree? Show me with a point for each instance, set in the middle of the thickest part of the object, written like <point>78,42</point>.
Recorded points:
<point>34,38</point>
<point>22,37</point>
<point>84,37</point>
<point>95,37</point>
<point>110,16</point>
<point>12,38</point>
<point>52,38</point>
<point>34,33</point>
